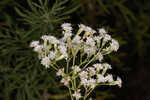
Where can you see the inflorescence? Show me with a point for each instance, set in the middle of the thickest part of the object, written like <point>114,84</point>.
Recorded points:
<point>88,46</point>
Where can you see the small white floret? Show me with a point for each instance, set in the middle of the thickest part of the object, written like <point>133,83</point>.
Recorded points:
<point>107,66</point>
<point>109,78</point>
<point>77,94</point>
<point>60,72</point>
<point>45,61</point>
<point>66,26</point>
<point>98,66</point>
<point>63,50</point>
<point>83,27</point>
<point>90,42</point>
<point>107,37</point>
<point>100,78</point>
<point>77,40</point>
<point>44,37</point>
<point>84,82</point>
<point>52,55</point>
<point>38,48</point>
<point>83,75</point>
<point>92,83</point>
<point>100,57</point>
<point>102,31</point>
<point>53,40</point>
<point>97,39</point>
<point>65,80</point>
<point>91,71</point>
<point>34,43</point>
<point>89,50</point>
<point>119,81</point>
<point>114,45</point>
<point>76,69</point>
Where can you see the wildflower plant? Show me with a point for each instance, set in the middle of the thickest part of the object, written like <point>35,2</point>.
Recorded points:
<point>81,52</point>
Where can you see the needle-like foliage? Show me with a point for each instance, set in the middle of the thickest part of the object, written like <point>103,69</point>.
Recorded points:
<point>21,75</point>
<point>44,16</point>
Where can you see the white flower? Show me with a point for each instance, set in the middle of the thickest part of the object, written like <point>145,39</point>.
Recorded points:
<point>63,50</point>
<point>107,37</point>
<point>107,66</point>
<point>44,37</point>
<point>93,31</point>
<point>91,71</point>
<point>83,27</point>
<point>77,94</point>
<point>100,78</point>
<point>67,34</point>
<point>67,30</point>
<point>83,75</point>
<point>114,45</point>
<point>90,30</point>
<point>92,83</point>
<point>100,57</point>
<point>38,48</point>
<point>98,66</point>
<point>52,39</point>
<point>109,78</point>
<point>89,83</point>
<point>66,27</point>
<point>60,72</point>
<point>89,46</point>
<point>62,42</point>
<point>34,43</point>
<point>76,69</point>
<point>119,81</point>
<point>97,38</point>
<point>107,49</point>
<point>52,55</point>
<point>45,61</point>
<point>102,31</point>
<point>77,40</point>
<point>65,80</point>
<point>87,29</point>
<point>84,82</point>
<point>89,50</point>
<point>90,42</point>
<point>87,43</point>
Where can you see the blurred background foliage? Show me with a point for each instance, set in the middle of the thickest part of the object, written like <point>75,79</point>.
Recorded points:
<point>21,21</point>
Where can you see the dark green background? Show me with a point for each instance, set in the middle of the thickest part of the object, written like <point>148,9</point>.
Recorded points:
<point>21,21</point>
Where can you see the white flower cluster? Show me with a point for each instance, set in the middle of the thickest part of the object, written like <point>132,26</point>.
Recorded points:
<point>86,42</point>
<point>89,78</point>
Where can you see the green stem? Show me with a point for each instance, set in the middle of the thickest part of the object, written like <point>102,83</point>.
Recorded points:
<point>74,59</point>
<point>90,61</point>
<point>81,57</point>
<point>86,60</point>
<point>54,67</point>
<point>68,65</point>
<point>84,98</point>
<point>74,83</point>
<point>88,94</point>
<point>79,85</point>
<point>70,93</point>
